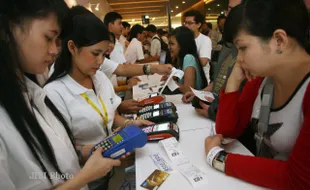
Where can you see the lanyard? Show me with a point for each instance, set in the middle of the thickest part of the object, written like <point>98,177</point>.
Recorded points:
<point>103,117</point>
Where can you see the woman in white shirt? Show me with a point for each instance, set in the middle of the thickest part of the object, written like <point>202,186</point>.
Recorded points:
<point>36,148</point>
<point>84,95</point>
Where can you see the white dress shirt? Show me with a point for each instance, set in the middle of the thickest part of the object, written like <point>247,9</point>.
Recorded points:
<point>123,40</point>
<point>117,55</point>
<point>204,48</point>
<point>18,167</point>
<point>108,67</point>
<point>85,122</point>
<point>134,51</point>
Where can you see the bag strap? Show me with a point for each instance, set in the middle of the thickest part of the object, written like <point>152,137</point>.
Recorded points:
<point>264,115</point>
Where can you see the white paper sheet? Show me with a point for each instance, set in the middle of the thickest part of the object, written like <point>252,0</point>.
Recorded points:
<point>170,82</point>
<point>191,172</point>
<point>202,94</point>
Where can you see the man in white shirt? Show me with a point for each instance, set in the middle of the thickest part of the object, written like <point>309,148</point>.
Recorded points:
<point>193,20</point>
<point>123,38</point>
<point>155,42</point>
<point>113,21</point>
<point>134,52</point>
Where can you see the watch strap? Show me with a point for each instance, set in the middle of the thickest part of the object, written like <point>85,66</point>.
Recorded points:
<point>212,153</point>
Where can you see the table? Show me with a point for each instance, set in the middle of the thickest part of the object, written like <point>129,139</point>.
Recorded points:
<point>193,131</point>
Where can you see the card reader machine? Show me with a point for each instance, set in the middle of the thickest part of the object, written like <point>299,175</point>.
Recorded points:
<point>160,106</point>
<point>158,116</point>
<point>161,131</point>
<point>120,143</point>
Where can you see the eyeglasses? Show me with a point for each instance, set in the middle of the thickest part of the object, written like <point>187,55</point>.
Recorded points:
<point>189,22</point>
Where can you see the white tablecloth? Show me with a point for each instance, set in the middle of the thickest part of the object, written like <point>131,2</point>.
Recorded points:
<point>193,131</point>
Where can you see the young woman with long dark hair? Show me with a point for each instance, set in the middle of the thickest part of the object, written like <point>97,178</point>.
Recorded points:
<point>271,37</point>
<point>185,57</point>
<point>36,145</point>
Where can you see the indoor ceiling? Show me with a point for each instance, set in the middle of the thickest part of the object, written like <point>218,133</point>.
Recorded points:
<point>132,10</point>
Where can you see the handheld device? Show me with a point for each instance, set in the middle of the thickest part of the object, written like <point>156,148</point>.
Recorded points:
<point>161,131</point>
<point>160,106</point>
<point>164,115</point>
<point>120,143</point>
<point>195,102</point>
<point>152,100</point>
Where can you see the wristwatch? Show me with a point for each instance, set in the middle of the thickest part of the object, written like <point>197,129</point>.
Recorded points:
<point>147,69</point>
<point>219,161</point>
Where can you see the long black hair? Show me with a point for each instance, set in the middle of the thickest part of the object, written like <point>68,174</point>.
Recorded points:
<point>85,30</point>
<point>186,40</point>
<point>18,12</point>
<point>262,17</point>
<point>135,30</point>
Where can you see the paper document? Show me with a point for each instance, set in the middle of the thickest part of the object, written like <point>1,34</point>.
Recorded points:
<point>160,162</point>
<point>191,172</point>
<point>202,94</point>
<point>172,85</point>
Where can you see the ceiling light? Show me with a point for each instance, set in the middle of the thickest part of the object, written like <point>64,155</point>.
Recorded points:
<point>183,2</point>
<point>209,9</point>
<point>147,16</point>
<point>177,7</point>
<point>222,13</point>
<point>218,5</point>
<point>172,11</point>
<point>97,7</point>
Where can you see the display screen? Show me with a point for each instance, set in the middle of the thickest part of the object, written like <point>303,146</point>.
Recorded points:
<point>117,138</point>
<point>167,112</point>
<point>156,113</point>
<point>156,106</point>
<point>161,127</point>
<point>153,95</point>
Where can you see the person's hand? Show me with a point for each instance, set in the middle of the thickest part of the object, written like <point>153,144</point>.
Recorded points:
<point>204,111</point>
<point>164,69</point>
<point>97,166</point>
<point>188,97</point>
<point>133,81</point>
<point>85,151</point>
<point>129,106</point>
<point>141,122</point>
<point>164,78</point>
<point>212,142</point>
<point>239,74</point>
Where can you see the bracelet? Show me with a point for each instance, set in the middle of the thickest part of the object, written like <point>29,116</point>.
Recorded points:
<point>148,69</point>
<point>126,122</point>
<point>212,154</point>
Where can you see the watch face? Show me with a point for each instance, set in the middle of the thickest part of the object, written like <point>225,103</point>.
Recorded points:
<point>222,156</point>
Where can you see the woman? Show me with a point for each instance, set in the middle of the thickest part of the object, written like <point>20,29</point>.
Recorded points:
<point>184,55</point>
<point>84,95</point>
<point>36,148</point>
<point>271,38</point>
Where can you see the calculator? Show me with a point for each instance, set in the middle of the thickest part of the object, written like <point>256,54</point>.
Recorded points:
<point>161,131</point>
<point>159,116</point>
<point>160,106</point>
<point>118,144</point>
